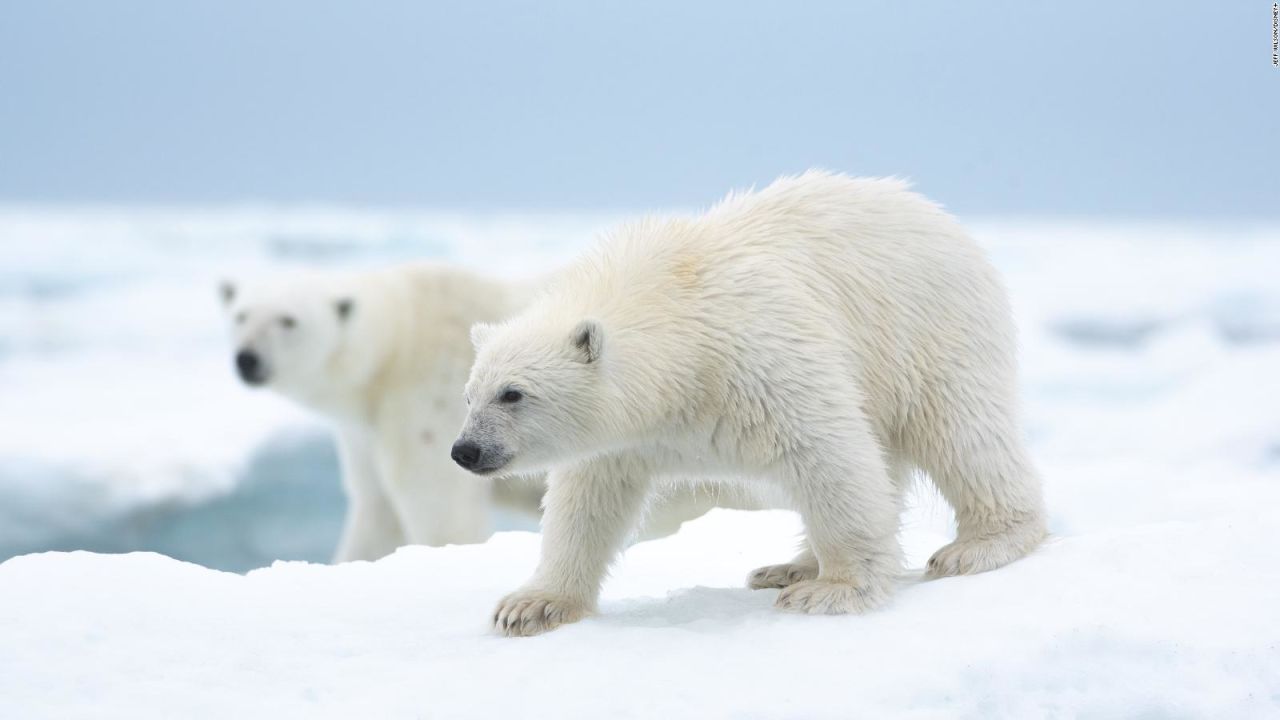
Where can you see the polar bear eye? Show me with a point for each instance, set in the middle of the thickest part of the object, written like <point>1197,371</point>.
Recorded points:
<point>241,317</point>
<point>510,395</point>
<point>287,322</point>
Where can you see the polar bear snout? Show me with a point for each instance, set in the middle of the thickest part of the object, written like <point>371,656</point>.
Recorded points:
<point>252,369</point>
<point>477,458</point>
<point>466,454</point>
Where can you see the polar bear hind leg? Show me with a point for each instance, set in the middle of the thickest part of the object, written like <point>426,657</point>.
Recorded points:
<point>973,452</point>
<point>849,504</point>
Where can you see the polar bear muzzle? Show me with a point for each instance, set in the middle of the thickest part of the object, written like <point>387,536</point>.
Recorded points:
<point>478,458</point>
<point>251,368</point>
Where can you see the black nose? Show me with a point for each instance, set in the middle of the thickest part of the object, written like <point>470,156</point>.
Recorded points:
<point>249,366</point>
<point>466,454</point>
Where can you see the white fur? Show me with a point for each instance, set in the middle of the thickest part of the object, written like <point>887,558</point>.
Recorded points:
<point>826,336</point>
<point>388,375</point>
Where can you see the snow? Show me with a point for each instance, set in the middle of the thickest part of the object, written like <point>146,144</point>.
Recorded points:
<point>1149,352</point>
<point>1160,619</point>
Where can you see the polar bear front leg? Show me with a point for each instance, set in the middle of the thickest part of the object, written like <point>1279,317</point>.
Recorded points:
<point>850,511</point>
<point>371,529</point>
<point>590,510</point>
<point>437,502</point>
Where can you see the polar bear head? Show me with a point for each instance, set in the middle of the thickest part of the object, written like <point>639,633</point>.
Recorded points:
<point>290,334</point>
<point>536,396</point>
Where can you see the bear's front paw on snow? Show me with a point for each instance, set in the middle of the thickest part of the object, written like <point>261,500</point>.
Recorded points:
<point>831,597</point>
<point>533,612</point>
<point>780,576</point>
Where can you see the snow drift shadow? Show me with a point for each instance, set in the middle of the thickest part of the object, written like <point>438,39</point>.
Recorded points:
<point>689,608</point>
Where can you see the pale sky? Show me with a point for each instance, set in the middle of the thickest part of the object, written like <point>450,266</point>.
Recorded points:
<point>1082,108</point>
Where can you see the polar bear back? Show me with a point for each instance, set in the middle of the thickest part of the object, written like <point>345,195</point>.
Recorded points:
<point>860,274</point>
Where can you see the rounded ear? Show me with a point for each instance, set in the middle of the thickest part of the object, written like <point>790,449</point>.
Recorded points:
<point>480,332</point>
<point>226,291</point>
<point>344,307</point>
<point>588,338</point>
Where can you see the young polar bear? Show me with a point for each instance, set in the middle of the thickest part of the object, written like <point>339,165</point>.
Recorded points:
<point>826,336</point>
<point>383,355</point>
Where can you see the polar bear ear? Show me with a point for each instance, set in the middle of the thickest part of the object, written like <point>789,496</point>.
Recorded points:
<point>588,338</point>
<point>344,306</point>
<point>480,332</point>
<point>227,291</point>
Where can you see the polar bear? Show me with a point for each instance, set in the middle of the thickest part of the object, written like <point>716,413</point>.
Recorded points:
<point>383,355</point>
<point>827,336</point>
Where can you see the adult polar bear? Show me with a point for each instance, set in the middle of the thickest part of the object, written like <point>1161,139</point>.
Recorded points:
<point>826,335</point>
<point>383,355</point>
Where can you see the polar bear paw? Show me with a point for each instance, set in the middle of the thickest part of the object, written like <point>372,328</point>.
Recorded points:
<point>832,597</point>
<point>780,576</point>
<point>532,612</point>
<point>975,555</point>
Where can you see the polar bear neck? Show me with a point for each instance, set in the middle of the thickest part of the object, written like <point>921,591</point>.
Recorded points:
<point>644,284</point>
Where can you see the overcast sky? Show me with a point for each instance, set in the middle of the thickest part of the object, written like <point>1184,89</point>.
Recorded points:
<point>1080,108</point>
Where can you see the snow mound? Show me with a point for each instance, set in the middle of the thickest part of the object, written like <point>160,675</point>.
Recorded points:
<point>1157,619</point>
